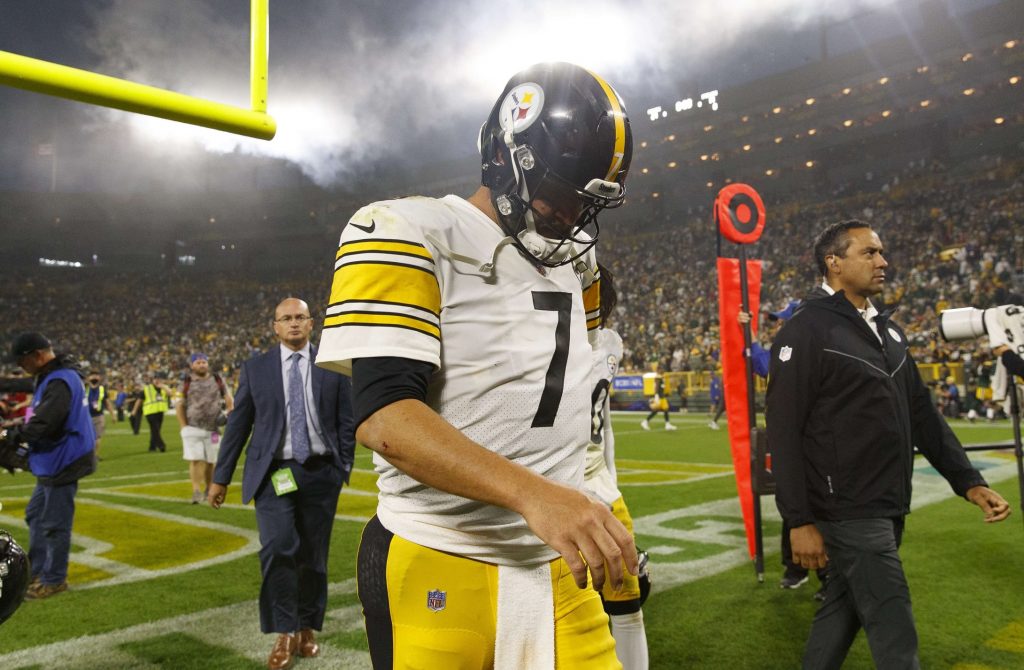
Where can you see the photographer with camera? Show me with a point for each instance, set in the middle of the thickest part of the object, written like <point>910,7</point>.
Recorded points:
<point>59,441</point>
<point>202,395</point>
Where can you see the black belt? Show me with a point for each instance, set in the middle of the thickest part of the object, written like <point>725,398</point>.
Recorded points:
<point>315,461</point>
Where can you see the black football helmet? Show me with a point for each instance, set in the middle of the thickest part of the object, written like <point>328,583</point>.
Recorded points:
<point>14,575</point>
<point>555,151</point>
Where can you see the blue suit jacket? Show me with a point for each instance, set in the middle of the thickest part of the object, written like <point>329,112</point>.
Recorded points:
<point>260,411</point>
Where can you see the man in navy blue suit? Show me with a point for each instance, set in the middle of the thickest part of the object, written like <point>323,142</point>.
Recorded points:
<point>300,452</point>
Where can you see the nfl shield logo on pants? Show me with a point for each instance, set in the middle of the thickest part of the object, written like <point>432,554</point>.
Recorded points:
<point>436,600</point>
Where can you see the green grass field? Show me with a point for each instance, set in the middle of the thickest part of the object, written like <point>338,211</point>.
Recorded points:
<point>159,583</point>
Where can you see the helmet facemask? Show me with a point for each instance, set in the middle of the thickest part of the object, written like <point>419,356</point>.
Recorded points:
<point>549,218</point>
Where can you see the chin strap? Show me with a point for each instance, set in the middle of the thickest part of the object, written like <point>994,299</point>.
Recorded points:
<point>483,269</point>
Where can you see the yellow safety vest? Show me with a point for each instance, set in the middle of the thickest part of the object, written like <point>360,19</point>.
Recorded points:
<point>153,400</point>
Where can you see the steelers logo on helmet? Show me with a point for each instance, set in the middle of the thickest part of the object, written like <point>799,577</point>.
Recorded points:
<point>555,152</point>
<point>522,107</point>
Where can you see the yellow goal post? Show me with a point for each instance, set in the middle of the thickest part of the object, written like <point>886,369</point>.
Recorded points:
<point>89,87</point>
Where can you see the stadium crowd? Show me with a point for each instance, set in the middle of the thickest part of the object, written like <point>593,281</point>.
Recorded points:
<point>954,238</point>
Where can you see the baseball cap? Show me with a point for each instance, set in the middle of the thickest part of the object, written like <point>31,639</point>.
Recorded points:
<point>26,343</point>
<point>198,356</point>
<point>787,312</point>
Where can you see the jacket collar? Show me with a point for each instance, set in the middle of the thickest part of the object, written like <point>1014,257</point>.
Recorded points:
<point>838,304</point>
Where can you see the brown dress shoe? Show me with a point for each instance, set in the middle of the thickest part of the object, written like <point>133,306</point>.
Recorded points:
<point>308,647</point>
<point>282,656</point>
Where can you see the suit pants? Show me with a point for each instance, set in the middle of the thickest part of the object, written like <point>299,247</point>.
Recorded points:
<point>156,422</point>
<point>866,589</point>
<point>295,533</point>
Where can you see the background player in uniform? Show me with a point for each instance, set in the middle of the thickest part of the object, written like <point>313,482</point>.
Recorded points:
<point>465,329</point>
<point>658,403</point>
<point>600,479</point>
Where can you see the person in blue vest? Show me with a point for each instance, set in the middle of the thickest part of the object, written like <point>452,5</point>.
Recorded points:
<point>60,439</point>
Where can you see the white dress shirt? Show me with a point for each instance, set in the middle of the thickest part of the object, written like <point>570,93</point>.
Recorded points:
<point>868,313</point>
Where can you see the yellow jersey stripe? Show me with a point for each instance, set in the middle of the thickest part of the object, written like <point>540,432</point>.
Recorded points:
<point>592,297</point>
<point>384,246</point>
<point>386,282</point>
<point>593,323</point>
<point>385,319</point>
<point>620,127</point>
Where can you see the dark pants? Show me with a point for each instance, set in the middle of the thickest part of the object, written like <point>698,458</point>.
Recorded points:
<point>135,421</point>
<point>156,441</point>
<point>49,515</point>
<point>866,589</point>
<point>295,531</point>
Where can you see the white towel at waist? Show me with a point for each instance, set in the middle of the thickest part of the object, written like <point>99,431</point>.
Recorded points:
<point>526,619</point>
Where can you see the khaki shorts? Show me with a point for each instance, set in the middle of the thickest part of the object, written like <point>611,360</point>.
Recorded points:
<point>197,444</point>
<point>98,424</point>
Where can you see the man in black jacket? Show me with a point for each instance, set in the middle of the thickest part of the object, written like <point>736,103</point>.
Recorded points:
<point>845,409</point>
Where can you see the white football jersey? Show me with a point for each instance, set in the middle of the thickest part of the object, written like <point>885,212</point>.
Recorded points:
<point>436,280</point>
<point>600,477</point>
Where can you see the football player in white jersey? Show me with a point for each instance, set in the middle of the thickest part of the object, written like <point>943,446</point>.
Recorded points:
<point>600,479</point>
<point>464,324</point>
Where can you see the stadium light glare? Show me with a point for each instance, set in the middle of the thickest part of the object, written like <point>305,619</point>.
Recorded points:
<point>644,171</point>
<point>809,164</point>
<point>925,103</point>
<point>746,147</point>
<point>671,138</point>
<point>923,69</point>
<point>769,172</point>
<point>776,110</point>
<point>1014,80</point>
<point>809,101</point>
<point>703,157</point>
<point>778,140</point>
<point>883,81</point>
<point>711,184</point>
<point>744,118</point>
<point>643,145</point>
<point>1010,44</point>
<point>999,120</point>
<point>966,57</point>
<point>968,91</point>
<point>655,195</point>
<point>886,113</point>
<point>708,129</point>
<point>846,91</point>
<point>672,164</point>
<point>812,131</point>
<point>847,123</point>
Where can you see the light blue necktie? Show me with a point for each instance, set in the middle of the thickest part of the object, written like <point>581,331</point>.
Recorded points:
<point>297,411</point>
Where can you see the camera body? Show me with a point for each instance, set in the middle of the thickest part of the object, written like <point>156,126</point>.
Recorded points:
<point>1003,325</point>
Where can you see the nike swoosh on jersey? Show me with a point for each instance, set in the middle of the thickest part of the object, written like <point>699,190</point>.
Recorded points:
<point>366,229</point>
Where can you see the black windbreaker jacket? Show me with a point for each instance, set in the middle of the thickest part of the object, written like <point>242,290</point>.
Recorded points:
<point>844,413</point>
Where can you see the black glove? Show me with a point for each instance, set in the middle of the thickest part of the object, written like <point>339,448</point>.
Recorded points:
<point>13,454</point>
